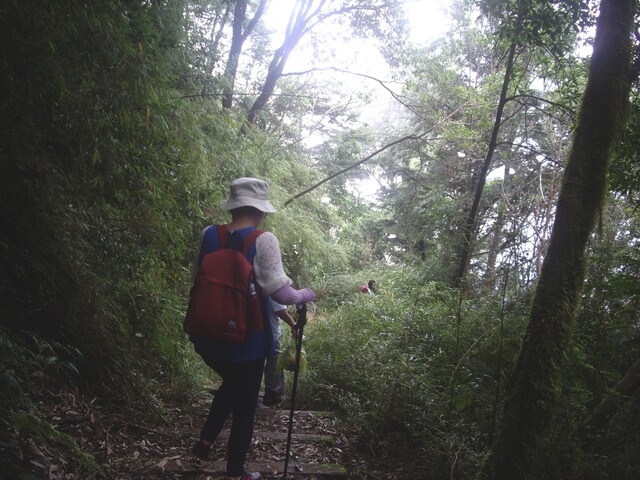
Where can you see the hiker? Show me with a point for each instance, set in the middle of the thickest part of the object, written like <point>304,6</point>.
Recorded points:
<point>274,381</point>
<point>369,287</point>
<point>241,366</point>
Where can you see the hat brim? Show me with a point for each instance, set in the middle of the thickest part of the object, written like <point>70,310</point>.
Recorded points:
<point>243,201</point>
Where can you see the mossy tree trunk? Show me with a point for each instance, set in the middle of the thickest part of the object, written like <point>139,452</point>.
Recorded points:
<point>531,398</point>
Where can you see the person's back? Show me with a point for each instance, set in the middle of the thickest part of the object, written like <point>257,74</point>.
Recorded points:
<point>224,302</point>
<point>241,366</point>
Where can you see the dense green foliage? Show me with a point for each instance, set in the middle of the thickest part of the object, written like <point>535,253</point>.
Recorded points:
<point>116,150</point>
<point>416,369</point>
<point>422,373</point>
<point>93,156</point>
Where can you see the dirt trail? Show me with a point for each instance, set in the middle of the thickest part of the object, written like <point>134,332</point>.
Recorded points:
<point>156,446</point>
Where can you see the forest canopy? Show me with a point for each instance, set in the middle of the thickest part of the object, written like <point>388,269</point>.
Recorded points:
<point>502,229</point>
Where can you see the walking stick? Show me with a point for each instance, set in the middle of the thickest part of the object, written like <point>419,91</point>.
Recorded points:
<point>302,320</point>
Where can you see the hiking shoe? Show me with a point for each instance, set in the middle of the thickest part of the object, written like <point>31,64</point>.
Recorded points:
<point>244,476</point>
<point>271,400</point>
<point>201,449</point>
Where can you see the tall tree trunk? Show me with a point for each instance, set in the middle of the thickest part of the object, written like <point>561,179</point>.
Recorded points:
<point>497,233</point>
<point>545,209</point>
<point>275,72</point>
<point>469,228</point>
<point>305,16</point>
<point>303,13</point>
<point>532,395</point>
<point>240,35</point>
<point>217,30</point>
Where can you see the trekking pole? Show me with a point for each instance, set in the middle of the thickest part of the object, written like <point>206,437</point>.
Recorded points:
<point>302,320</point>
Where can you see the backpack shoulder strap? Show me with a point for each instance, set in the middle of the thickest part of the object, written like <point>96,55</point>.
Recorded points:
<point>210,242</point>
<point>251,238</point>
<point>247,242</point>
<point>223,235</point>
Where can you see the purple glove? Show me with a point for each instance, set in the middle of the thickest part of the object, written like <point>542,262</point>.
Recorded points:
<point>288,295</point>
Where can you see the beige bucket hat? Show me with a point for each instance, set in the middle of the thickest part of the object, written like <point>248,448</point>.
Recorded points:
<point>249,192</point>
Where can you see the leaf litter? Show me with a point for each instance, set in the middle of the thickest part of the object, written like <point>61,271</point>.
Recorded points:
<point>156,445</point>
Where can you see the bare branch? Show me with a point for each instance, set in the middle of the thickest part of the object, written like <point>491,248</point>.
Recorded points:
<point>290,95</point>
<point>532,150</point>
<point>253,22</point>
<point>570,111</point>
<point>382,83</point>
<point>380,150</point>
<point>350,167</point>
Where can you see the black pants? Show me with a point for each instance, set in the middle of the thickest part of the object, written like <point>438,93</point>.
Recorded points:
<point>238,395</point>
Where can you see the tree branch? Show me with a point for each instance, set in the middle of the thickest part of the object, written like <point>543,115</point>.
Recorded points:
<point>350,167</point>
<point>360,162</point>
<point>291,95</point>
<point>382,83</point>
<point>544,100</point>
<point>532,150</point>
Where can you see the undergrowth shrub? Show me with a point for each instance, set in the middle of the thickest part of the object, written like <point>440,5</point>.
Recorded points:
<point>418,372</point>
<point>30,365</point>
<point>106,167</point>
<point>58,444</point>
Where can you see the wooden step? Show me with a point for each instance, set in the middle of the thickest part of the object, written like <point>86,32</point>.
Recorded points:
<point>328,440</point>
<point>284,410</point>
<point>276,419</point>
<point>326,471</point>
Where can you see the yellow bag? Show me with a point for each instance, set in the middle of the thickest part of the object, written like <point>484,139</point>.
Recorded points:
<point>287,358</point>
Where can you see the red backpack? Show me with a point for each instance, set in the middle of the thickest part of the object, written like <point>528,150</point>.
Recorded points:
<point>223,303</point>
